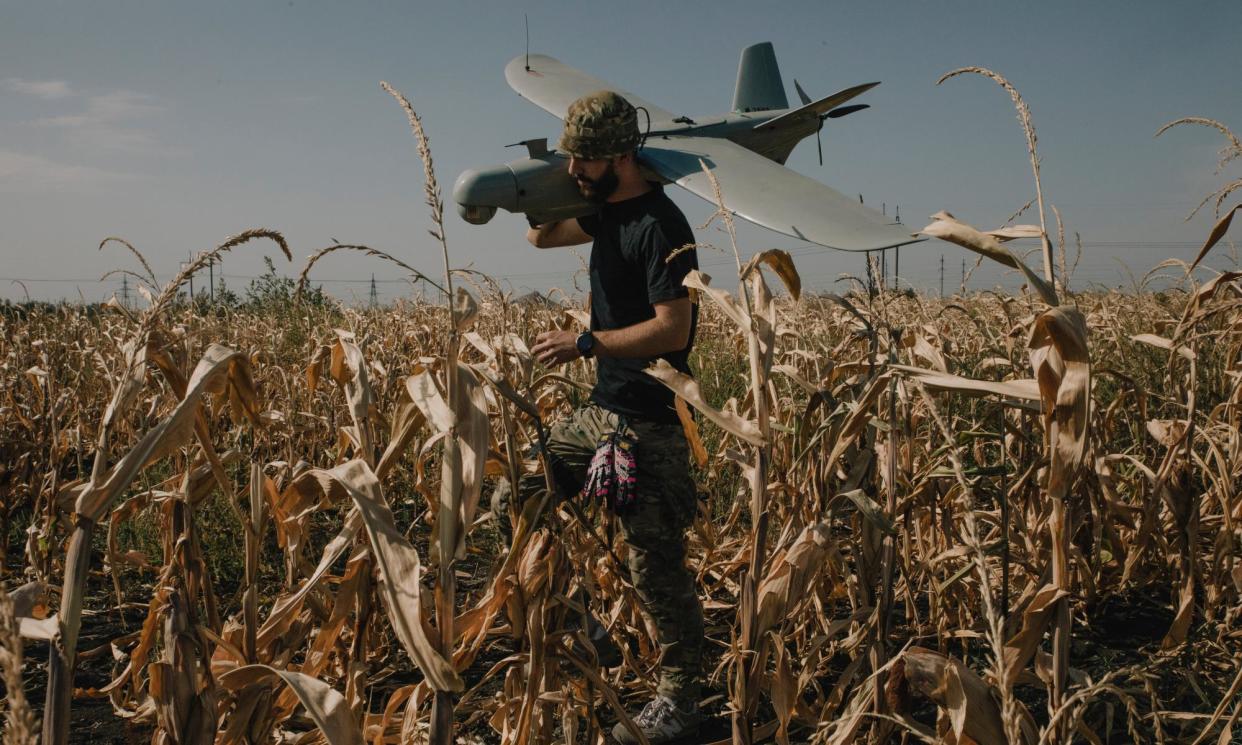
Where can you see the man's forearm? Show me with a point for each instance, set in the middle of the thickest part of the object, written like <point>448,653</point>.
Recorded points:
<point>649,338</point>
<point>557,233</point>
<point>538,234</point>
<point>668,331</point>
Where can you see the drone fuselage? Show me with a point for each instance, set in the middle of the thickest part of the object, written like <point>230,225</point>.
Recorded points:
<point>540,185</point>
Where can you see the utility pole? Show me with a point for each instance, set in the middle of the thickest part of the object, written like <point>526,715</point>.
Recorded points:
<point>897,255</point>
<point>125,290</point>
<point>374,294</point>
<point>941,275</point>
<point>963,276</point>
<point>191,281</point>
<point>211,279</point>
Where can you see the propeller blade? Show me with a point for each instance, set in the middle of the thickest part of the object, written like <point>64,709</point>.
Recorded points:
<point>819,145</point>
<point>801,93</point>
<point>839,112</point>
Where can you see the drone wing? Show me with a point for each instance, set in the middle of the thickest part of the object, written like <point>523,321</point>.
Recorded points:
<point>552,86</point>
<point>771,195</point>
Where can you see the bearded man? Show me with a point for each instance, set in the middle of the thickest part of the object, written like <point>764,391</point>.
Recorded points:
<point>640,313</point>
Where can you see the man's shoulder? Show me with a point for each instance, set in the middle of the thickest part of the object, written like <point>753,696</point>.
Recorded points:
<point>663,213</point>
<point>662,202</point>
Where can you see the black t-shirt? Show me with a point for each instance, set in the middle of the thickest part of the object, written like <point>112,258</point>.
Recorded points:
<point>629,272</point>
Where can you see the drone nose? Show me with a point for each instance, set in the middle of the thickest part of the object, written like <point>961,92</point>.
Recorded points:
<point>479,192</point>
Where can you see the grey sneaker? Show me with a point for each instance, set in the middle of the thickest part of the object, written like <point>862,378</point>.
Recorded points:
<point>661,721</point>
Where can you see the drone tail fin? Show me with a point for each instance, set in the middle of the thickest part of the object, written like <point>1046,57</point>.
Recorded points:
<point>759,86</point>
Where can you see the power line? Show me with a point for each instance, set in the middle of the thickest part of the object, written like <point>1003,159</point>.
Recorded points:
<point>48,279</point>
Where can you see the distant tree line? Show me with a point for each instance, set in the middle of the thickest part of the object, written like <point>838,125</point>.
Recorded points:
<point>268,292</point>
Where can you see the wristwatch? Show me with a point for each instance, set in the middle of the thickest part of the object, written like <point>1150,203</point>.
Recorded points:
<point>586,344</point>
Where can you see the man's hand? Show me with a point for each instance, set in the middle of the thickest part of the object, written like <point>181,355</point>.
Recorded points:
<point>556,347</point>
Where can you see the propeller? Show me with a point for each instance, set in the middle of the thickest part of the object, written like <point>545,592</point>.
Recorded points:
<point>836,113</point>
<point>841,111</point>
<point>801,93</point>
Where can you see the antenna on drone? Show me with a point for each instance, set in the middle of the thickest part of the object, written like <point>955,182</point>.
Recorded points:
<point>527,19</point>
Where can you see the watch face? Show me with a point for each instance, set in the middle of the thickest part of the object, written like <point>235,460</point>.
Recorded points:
<point>586,342</point>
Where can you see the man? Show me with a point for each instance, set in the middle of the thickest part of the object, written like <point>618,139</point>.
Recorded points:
<point>640,312</point>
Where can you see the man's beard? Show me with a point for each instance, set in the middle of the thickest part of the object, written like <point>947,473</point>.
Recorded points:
<point>598,190</point>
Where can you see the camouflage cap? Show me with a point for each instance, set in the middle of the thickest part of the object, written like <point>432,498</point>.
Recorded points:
<point>600,125</point>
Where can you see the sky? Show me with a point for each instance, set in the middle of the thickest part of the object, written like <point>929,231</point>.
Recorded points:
<point>175,125</point>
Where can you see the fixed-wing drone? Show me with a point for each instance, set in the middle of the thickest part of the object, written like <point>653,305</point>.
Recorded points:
<point>745,149</point>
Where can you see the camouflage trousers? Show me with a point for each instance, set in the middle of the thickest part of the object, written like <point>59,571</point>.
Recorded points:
<point>654,530</point>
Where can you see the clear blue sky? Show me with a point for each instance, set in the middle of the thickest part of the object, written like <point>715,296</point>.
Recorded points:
<point>175,125</point>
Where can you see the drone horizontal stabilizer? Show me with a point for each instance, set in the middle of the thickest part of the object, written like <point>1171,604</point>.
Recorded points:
<point>816,108</point>
<point>770,195</point>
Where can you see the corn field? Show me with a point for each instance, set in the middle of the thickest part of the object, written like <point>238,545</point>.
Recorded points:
<point>987,518</point>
